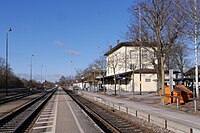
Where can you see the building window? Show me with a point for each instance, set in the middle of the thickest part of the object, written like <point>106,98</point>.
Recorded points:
<point>147,80</point>
<point>154,54</point>
<point>133,54</point>
<point>144,54</point>
<point>144,66</point>
<point>132,66</point>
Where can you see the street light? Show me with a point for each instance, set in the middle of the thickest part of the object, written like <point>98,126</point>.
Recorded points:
<point>7,60</point>
<point>102,67</point>
<point>82,78</point>
<point>140,27</point>
<point>196,47</point>
<point>45,75</point>
<point>31,72</point>
<point>41,73</point>
<point>94,69</point>
<point>71,66</point>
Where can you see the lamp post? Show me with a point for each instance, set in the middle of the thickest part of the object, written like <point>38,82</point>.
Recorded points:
<point>71,72</point>
<point>82,78</point>
<point>196,53</point>
<point>45,75</point>
<point>31,71</point>
<point>140,59</point>
<point>102,67</point>
<point>41,73</point>
<point>94,68</point>
<point>6,76</point>
<point>71,66</point>
<point>196,47</point>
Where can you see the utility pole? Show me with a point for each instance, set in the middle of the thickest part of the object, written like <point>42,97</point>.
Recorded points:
<point>71,67</point>
<point>7,60</point>
<point>140,41</point>
<point>41,73</point>
<point>45,75</point>
<point>31,71</point>
<point>196,47</point>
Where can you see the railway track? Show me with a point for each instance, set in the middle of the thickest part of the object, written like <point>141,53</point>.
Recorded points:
<point>108,119</point>
<point>15,97</point>
<point>20,119</point>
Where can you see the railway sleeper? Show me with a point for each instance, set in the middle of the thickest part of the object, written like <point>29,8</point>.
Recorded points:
<point>15,121</point>
<point>118,125</point>
<point>130,131</point>
<point>125,125</point>
<point>129,128</point>
<point>111,116</point>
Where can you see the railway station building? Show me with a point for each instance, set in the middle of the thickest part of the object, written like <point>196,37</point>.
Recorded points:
<point>123,65</point>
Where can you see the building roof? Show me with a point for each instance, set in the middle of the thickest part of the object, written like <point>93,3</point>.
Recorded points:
<point>127,44</point>
<point>143,71</point>
<point>191,71</point>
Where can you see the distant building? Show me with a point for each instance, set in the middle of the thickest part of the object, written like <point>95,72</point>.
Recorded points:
<point>191,72</point>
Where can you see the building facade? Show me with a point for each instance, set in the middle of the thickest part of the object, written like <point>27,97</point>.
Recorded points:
<point>123,65</point>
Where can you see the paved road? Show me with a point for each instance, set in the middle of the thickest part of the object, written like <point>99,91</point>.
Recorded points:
<point>62,115</point>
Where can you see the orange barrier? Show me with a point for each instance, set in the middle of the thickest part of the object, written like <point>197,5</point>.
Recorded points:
<point>180,93</point>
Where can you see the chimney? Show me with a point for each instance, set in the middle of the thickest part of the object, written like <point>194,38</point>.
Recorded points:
<point>137,38</point>
<point>151,40</point>
<point>118,41</point>
<point>110,47</point>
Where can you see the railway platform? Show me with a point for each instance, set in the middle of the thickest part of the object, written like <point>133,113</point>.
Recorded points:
<point>62,115</point>
<point>174,120</point>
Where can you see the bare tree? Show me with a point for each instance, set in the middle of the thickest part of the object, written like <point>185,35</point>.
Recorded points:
<point>112,63</point>
<point>182,59</point>
<point>191,9</point>
<point>62,80</point>
<point>133,63</point>
<point>91,72</point>
<point>178,58</point>
<point>116,61</point>
<point>2,70</point>
<point>2,65</point>
<point>157,22</point>
<point>100,64</point>
<point>79,74</point>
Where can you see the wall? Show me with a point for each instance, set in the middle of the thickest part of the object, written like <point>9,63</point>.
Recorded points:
<point>126,56</point>
<point>146,86</point>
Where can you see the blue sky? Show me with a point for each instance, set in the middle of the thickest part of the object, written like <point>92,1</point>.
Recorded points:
<point>58,32</point>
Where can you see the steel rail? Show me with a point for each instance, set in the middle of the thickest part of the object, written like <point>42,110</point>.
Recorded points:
<point>21,118</point>
<point>15,97</point>
<point>107,119</point>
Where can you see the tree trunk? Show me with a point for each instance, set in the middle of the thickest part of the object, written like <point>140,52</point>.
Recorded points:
<point>104,89</point>
<point>161,74</point>
<point>133,87</point>
<point>160,57</point>
<point>115,85</point>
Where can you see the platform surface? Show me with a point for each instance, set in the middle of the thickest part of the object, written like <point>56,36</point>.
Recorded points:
<point>62,115</point>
